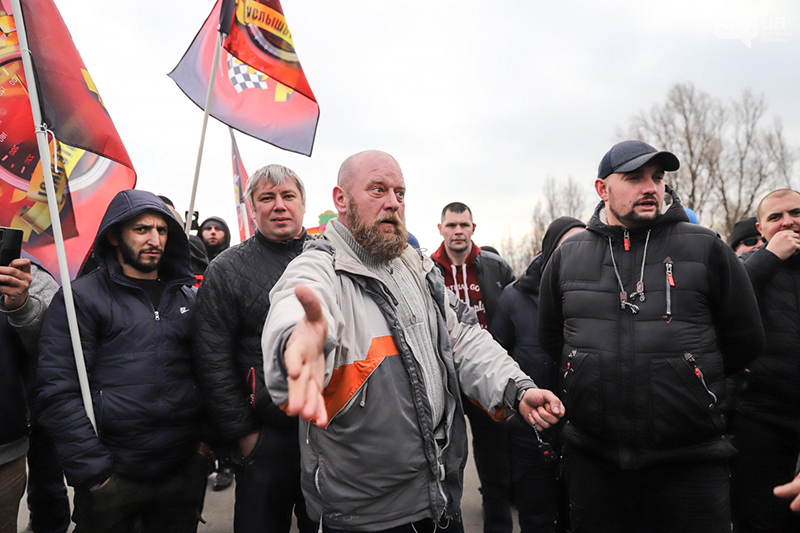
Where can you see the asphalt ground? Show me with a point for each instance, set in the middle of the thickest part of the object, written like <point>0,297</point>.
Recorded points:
<point>218,510</point>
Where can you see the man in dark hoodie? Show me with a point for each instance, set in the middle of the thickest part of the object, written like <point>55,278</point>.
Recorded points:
<point>534,472</point>
<point>646,313</point>
<point>216,236</point>
<point>134,315</point>
<point>477,277</point>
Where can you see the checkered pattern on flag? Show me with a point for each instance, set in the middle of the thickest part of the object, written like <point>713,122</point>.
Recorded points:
<point>284,111</point>
<point>244,76</point>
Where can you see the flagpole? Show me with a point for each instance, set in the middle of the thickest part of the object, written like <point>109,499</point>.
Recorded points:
<point>52,204</point>
<point>213,78</point>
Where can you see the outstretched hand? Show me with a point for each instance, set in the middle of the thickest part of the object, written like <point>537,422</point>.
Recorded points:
<point>305,360</point>
<point>541,408</point>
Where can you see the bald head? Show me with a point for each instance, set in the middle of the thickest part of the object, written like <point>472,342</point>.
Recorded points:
<point>360,164</point>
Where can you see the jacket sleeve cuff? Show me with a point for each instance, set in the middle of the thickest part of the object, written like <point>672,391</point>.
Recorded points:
<point>514,391</point>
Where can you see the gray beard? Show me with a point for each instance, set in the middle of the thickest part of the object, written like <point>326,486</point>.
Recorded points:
<point>383,246</point>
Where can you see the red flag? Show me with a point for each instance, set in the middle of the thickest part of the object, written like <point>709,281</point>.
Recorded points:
<point>246,226</point>
<point>91,164</point>
<point>260,88</point>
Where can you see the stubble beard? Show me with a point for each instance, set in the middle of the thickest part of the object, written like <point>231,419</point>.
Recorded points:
<point>131,258</point>
<point>383,246</point>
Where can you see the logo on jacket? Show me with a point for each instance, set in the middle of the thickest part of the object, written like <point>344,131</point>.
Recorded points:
<point>184,310</point>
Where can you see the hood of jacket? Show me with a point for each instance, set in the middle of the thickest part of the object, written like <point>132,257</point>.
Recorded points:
<point>671,212</point>
<point>532,277</point>
<point>215,250</point>
<point>555,232</point>
<point>131,203</point>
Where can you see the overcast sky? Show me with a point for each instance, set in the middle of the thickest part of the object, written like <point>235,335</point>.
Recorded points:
<point>479,101</point>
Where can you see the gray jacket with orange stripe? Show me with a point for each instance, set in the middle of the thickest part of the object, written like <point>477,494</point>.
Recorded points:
<point>378,463</point>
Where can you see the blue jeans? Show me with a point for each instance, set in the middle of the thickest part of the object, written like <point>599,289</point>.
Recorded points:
<point>690,497</point>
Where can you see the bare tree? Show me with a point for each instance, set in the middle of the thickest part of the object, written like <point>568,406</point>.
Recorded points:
<point>564,199</point>
<point>728,159</point>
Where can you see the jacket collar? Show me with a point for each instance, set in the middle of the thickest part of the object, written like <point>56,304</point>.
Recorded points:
<point>293,244</point>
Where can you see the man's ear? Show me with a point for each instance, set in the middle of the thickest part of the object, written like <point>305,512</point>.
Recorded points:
<point>602,189</point>
<point>758,227</point>
<point>340,199</point>
<point>440,228</point>
<point>112,238</point>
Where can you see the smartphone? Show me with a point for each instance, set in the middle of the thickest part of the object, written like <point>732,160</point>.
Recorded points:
<point>10,245</point>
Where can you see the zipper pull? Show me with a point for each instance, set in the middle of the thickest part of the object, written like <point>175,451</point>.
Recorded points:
<point>570,357</point>
<point>693,363</point>
<point>627,241</point>
<point>670,279</point>
<point>157,316</point>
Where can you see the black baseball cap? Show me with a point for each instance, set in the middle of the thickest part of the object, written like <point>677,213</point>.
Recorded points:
<point>627,156</point>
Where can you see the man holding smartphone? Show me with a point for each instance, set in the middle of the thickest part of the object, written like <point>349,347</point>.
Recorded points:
<point>25,291</point>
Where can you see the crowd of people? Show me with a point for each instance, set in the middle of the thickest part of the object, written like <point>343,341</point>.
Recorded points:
<point>640,376</point>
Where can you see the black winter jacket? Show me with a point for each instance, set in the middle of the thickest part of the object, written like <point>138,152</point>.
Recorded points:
<point>232,306</point>
<point>773,383</point>
<point>514,326</point>
<point>645,387</point>
<point>138,360</point>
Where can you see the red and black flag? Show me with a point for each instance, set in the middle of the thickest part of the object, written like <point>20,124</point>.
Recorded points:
<point>260,88</point>
<point>246,227</point>
<point>90,164</point>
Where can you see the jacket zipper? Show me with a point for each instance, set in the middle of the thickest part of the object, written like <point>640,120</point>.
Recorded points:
<point>699,373</point>
<point>670,280</point>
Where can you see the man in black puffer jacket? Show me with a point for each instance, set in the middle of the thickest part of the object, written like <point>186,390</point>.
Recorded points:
<point>646,314</point>
<point>134,315</point>
<point>232,306</point>
<point>766,425</point>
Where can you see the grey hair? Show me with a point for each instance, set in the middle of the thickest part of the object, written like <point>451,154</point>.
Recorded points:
<point>276,175</point>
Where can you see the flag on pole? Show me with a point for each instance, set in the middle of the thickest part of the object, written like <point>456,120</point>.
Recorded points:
<point>246,226</point>
<point>90,164</point>
<point>260,88</point>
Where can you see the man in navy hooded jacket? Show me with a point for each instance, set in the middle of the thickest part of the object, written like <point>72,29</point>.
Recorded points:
<point>134,314</point>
